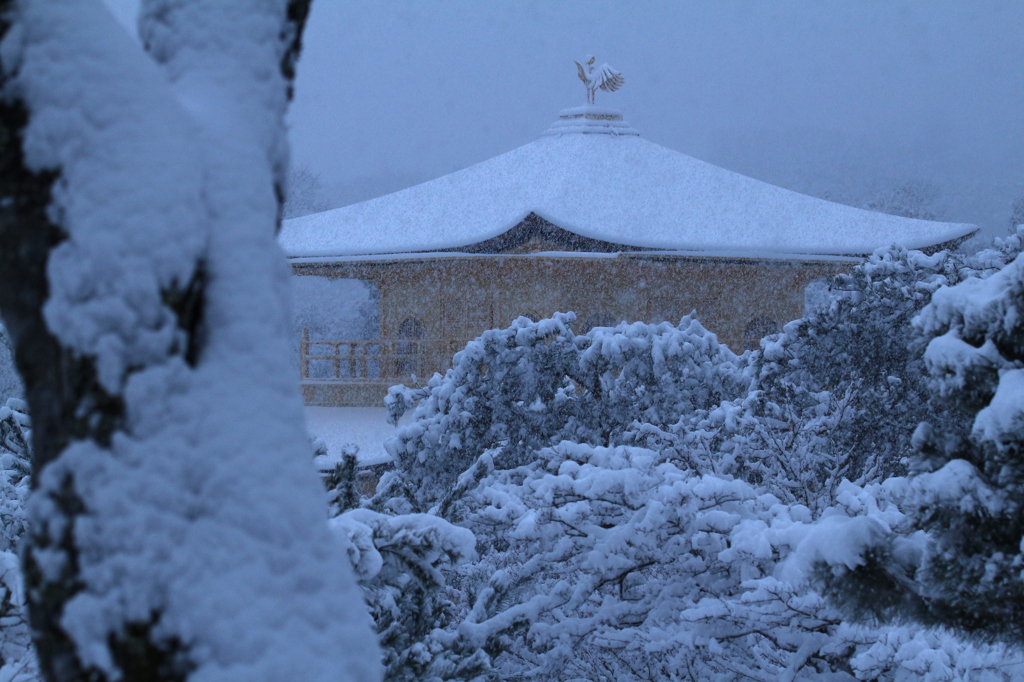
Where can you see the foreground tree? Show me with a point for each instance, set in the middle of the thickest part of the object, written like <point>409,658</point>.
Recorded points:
<point>646,505</point>
<point>859,349</point>
<point>966,483</point>
<point>513,391</point>
<point>17,659</point>
<point>970,500</point>
<point>176,530</point>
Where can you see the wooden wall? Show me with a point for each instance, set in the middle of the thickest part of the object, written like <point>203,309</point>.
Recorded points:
<point>456,297</point>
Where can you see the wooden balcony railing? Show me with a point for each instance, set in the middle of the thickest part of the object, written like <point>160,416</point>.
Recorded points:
<point>395,359</point>
<point>373,359</point>
<point>359,372</point>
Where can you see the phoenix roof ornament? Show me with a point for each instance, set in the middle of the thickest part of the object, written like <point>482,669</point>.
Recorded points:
<point>604,77</point>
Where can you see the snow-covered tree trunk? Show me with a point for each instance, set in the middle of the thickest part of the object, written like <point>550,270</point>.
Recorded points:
<point>177,529</point>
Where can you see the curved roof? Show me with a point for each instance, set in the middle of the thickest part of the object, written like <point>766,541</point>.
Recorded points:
<point>617,188</point>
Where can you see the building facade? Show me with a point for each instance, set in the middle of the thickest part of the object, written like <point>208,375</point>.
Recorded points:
<point>592,219</point>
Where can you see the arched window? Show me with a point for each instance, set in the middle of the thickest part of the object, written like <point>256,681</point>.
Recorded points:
<point>757,329</point>
<point>411,328</point>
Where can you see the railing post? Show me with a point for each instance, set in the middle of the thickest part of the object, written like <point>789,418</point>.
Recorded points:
<point>351,360</point>
<point>304,354</point>
<point>387,360</point>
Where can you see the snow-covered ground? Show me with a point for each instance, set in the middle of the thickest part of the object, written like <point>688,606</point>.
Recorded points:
<point>367,427</point>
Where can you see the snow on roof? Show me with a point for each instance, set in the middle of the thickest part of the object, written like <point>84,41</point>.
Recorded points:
<point>615,187</point>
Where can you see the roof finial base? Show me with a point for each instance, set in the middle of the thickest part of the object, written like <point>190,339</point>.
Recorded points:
<point>590,120</point>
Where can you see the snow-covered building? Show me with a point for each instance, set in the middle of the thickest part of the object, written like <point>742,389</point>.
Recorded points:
<point>590,218</point>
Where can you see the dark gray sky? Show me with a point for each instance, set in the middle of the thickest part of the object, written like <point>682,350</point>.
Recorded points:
<point>843,99</point>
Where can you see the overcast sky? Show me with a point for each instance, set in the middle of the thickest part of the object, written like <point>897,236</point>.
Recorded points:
<point>843,99</point>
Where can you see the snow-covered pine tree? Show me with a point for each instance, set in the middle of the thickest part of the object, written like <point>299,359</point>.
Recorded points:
<point>15,439</point>
<point>10,382</point>
<point>17,659</point>
<point>835,396</point>
<point>839,393</point>
<point>516,390</point>
<point>860,347</point>
<point>175,528</point>
<point>405,565</point>
<point>632,548</point>
<point>646,378</point>
<point>341,481</point>
<point>623,563</point>
<point>962,568</point>
<point>967,491</point>
<point>509,391</point>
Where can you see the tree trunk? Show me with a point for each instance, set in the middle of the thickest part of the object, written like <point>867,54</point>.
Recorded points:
<point>72,398</point>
